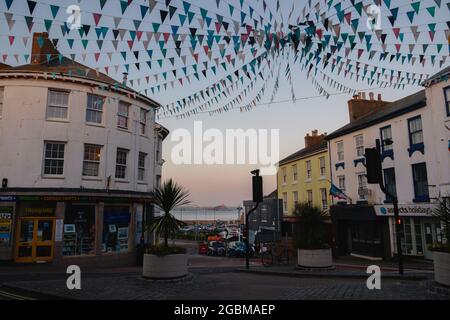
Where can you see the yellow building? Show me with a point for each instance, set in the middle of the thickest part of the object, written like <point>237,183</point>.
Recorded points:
<point>304,176</point>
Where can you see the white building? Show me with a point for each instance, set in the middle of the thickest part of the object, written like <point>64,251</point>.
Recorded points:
<point>80,155</point>
<point>416,167</point>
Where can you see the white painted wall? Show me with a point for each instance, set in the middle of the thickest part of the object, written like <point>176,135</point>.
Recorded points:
<point>24,128</point>
<point>440,119</point>
<point>437,156</point>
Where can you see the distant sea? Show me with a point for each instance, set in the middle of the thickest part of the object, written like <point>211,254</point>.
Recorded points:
<point>205,214</point>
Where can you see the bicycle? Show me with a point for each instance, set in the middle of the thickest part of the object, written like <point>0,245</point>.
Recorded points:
<point>274,254</point>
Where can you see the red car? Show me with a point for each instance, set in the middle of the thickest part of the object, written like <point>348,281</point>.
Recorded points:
<point>203,248</point>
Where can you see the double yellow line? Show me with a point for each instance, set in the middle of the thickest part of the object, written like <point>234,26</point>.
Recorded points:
<point>13,296</point>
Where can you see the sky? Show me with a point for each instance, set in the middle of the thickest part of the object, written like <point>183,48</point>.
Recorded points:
<point>211,185</point>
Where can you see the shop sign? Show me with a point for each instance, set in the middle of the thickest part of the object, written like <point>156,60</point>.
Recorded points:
<point>6,214</point>
<point>410,210</point>
<point>73,199</point>
<point>8,198</point>
<point>38,212</point>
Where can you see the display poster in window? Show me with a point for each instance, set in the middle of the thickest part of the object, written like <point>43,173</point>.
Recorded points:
<point>6,214</point>
<point>59,230</point>
<point>116,220</point>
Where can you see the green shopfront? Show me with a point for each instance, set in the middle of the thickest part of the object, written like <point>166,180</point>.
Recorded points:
<point>64,229</point>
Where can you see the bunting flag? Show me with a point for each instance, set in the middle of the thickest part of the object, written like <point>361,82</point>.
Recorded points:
<point>239,51</point>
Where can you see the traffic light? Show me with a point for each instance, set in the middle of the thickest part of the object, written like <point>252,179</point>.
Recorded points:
<point>373,166</point>
<point>257,189</point>
<point>399,222</point>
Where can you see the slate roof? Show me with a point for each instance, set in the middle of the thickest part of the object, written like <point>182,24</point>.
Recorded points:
<point>61,65</point>
<point>394,109</point>
<point>444,74</point>
<point>323,146</point>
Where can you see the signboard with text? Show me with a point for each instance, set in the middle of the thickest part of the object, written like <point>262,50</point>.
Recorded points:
<point>409,210</point>
<point>6,215</point>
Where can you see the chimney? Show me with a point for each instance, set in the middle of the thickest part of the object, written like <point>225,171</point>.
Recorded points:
<point>360,107</point>
<point>314,138</point>
<point>42,46</point>
<point>125,79</point>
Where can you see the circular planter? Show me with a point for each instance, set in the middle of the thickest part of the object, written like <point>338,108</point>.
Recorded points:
<point>164,267</point>
<point>321,258</point>
<point>442,267</point>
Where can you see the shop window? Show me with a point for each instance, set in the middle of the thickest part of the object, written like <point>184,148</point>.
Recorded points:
<point>6,215</point>
<point>94,110</point>
<point>57,104</point>
<point>116,223</point>
<point>79,231</point>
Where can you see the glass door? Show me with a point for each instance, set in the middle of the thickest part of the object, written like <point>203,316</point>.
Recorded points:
<point>24,247</point>
<point>35,241</point>
<point>44,240</point>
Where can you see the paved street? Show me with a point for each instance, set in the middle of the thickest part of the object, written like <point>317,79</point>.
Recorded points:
<point>215,278</point>
<point>229,285</point>
<point>211,278</point>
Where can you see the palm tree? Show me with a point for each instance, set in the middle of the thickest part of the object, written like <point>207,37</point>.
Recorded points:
<point>310,232</point>
<point>168,197</point>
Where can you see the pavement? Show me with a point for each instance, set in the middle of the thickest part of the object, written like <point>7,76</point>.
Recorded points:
<point>222,278</point>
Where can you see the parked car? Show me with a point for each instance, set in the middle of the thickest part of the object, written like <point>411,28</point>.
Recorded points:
<point>216,248</point>
<point>238,250</point>
<point>203,248</point>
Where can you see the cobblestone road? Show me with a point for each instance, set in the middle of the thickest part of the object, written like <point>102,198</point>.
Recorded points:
<point>232,285</point>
